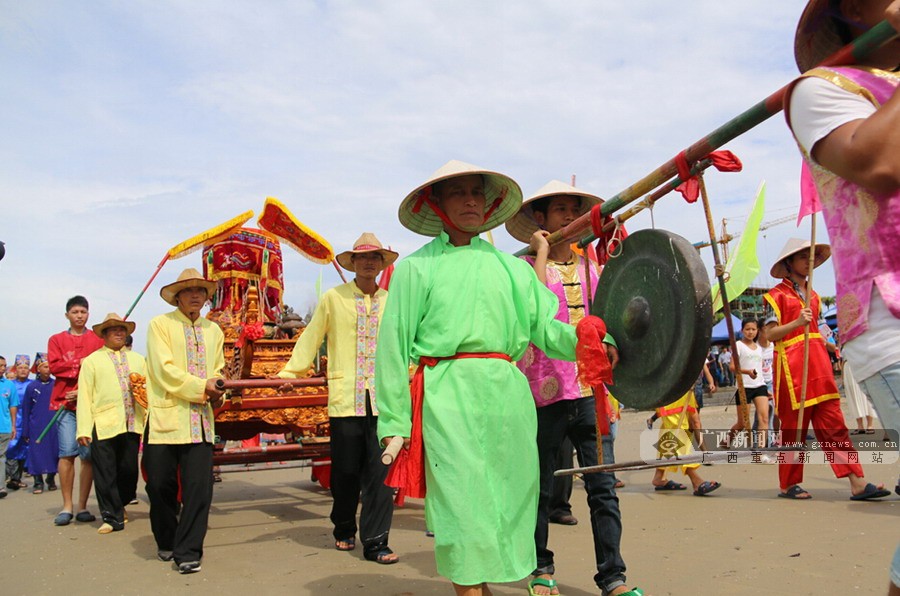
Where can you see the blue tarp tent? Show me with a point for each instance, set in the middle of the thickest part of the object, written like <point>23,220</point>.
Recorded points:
<point>720,330</point>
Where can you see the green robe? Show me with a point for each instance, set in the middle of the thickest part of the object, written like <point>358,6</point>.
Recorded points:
<point>479,422</point>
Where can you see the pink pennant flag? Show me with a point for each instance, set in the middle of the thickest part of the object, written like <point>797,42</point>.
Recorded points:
<point>809,195</point>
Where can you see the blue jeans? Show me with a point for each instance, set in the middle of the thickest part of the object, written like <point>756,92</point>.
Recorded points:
<point>4,443</point>
<point>577,420</point>
<point>883,388</point>
<point>66,428</point>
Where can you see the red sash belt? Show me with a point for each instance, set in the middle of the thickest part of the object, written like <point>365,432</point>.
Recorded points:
<point>408,471</point>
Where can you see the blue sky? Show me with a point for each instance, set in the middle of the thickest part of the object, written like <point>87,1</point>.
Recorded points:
<point>131,126</point>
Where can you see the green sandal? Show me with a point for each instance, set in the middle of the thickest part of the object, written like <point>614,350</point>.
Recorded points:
<point>540,581</point>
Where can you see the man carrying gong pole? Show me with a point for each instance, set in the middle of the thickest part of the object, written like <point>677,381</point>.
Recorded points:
<point>565,406</point>
<point>846,122</point>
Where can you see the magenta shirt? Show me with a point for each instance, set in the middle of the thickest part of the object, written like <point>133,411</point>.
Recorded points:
<point>555,380</point>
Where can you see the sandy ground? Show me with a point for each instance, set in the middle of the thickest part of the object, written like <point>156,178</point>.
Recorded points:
<point>269,533</point>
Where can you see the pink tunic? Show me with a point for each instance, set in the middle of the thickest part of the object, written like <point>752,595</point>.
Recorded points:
<point>556,380</point>
<point>864,228</point>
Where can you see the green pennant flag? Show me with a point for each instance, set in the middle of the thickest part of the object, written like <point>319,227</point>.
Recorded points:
<point>743,264</point>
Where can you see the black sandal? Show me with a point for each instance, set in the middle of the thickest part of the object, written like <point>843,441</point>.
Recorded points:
<point>380,555</point>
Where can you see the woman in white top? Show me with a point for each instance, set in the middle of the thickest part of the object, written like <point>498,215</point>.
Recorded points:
<point>750,355</point>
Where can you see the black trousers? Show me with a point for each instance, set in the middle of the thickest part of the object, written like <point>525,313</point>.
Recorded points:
<point>561,486</point>
<point>356,469</point>
<point>182,534</point>
<point>115,463</point>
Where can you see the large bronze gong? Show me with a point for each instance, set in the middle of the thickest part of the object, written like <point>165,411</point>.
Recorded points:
<point>655,299</point>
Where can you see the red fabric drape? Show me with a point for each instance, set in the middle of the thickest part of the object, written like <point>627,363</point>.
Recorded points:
<point>407,473</point>
<point>594,368</point>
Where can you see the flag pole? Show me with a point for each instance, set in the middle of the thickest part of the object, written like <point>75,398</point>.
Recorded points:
<point>341,273</point>
<point>809,304</point>
<point>147,285</point>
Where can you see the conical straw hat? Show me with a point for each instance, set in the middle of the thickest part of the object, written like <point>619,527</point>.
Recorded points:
<point>817,35</point>
<point>793,246</point>
<point>415,215</point>
<point>522,225</point>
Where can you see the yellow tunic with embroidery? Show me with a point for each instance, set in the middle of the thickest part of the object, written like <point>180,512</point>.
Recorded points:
<point>102,403</point>
<point>349,319</point>
<point>181,356</point>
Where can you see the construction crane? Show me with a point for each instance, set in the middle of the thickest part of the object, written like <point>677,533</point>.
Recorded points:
<point>725,237</point>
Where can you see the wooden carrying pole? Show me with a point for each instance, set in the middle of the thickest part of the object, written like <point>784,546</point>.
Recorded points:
<point>225,384</point>
<point>699,458</point>
<point>757,114</point>
<point>726,309</point>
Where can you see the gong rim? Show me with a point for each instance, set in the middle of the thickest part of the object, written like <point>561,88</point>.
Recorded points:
<point>655,299</point>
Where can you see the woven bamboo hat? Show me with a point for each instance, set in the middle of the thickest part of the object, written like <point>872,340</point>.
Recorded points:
<point>523,225</point>
<point>817,35</point>
<point>189,278</point>
<point>792,247</point>
<point>113,320</point>
<point>416,215</point>
<point>366,243</point>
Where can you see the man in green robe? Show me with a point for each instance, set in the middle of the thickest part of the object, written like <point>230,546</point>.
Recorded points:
<point>464,312</point>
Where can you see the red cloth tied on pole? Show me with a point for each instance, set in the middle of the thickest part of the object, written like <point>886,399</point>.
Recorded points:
<point>724,161</point>
<point>607,242</point>
<point>407,473</point>
<point>594,368</point>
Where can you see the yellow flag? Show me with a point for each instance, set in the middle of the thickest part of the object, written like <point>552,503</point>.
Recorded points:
<point>210,236</point>
<point>743,264</point>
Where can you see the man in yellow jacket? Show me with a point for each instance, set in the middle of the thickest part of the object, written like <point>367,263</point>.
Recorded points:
<point>185,356</point>
<point>110,420</point>
<point>349,316</point>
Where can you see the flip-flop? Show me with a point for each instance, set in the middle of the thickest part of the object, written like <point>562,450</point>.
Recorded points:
<point>871,492</point>
<point>794,493</point>
<point>857,431</point>
<point>705,488</point>
<point>670,485</point>
<point>550,584</point>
